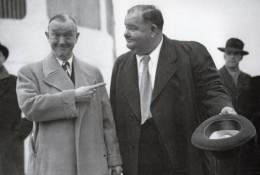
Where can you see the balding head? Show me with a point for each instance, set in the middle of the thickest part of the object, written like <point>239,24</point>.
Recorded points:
<point>62,35</point>
<point>62,18</point>
<point>149,13</point>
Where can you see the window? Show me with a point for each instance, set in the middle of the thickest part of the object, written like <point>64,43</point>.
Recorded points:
<point>85,12</point>
<point>13,9</point>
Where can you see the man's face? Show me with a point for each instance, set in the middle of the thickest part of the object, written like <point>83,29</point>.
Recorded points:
<point>62,37</point>
<point>137,33</point>
<point>232,59</point>
<point>2,58</point>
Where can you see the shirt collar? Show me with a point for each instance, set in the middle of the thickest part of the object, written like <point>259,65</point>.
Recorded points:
<point>69,60</point>
<point>154,55</point>
<point>233,72</point>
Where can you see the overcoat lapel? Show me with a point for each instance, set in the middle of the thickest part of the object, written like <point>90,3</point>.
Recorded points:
<point>131,85</point>
<point>166,68</point>
<point>82,78</point>
<point>54,75</point>
<point>228,78</point>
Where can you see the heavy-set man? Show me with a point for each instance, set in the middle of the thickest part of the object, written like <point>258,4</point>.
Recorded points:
<point>161,91</point>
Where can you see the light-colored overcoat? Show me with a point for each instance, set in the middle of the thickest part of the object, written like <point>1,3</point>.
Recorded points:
<point>69,138</point>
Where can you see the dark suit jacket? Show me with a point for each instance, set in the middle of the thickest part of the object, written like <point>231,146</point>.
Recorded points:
<point>240,93</point>
<point>241,101</point>
<point>186,78</point>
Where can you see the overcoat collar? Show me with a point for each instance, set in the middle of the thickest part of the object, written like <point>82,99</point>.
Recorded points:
<point>167,66</point>
<point>132,88</point>
<point>55,76</point>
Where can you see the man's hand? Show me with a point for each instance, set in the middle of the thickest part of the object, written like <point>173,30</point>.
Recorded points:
<point>227,110</point>
<point>117,170</point>
<point>85,93</point>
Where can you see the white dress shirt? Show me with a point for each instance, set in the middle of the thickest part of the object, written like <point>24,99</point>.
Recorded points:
<point>154,55</point>
<point>69,61</point>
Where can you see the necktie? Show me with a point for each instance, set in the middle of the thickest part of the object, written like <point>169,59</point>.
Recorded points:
<point>145,90</point>
<point>66,65</point>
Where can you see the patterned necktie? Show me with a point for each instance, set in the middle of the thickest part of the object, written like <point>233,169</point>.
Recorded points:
<point>145,90</point>
<point>66,65</point>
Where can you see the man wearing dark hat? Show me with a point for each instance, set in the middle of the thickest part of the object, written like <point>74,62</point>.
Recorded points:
<point>13,129</point>
<point>237,85</point>
<point>236,81</point>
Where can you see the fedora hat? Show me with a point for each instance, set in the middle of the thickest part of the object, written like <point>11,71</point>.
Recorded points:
<point>235,45</point>
<point>4,51</point>
<point>223,134</point>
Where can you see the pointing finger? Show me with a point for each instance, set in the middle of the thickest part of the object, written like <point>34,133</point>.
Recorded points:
<point>97,85</point>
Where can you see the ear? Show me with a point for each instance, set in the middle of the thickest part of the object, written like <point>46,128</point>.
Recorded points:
<point>77,36</point>
<point>154,30</point>
<point>225,56</point>
<point>47,35</point>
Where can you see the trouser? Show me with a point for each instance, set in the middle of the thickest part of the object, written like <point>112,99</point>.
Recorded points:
<point>153,158</point>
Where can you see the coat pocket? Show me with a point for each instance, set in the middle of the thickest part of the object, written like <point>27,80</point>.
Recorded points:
<point>34,158</point>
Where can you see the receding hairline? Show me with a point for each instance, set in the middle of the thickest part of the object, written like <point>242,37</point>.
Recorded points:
<point>62,18</point>
<point>149,13</point>
<point>141,8</point>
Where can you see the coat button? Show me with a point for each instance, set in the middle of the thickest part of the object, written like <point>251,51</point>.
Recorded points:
<point>132,116</point>
<point>132,146</point>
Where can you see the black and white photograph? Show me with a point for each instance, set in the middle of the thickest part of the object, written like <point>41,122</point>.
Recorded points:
<point>129,87</point>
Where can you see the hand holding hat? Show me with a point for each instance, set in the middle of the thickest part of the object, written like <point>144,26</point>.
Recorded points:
<point>223,133</point>
<point>227,110</point>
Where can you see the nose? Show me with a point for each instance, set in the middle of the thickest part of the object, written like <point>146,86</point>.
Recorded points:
<point>127,33</point>
<point>232,56</point>
<point>62,40</point>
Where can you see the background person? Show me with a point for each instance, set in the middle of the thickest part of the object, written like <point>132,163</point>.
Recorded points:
<point>237,84</point>
<point>13,129</point>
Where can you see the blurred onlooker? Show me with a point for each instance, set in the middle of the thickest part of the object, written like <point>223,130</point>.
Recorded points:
<point>13,129</point>
<point>237,84</point>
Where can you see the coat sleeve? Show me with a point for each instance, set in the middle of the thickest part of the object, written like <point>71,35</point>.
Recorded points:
<point>208,83</point>
<point>43,107</point>
<point>112,145</point>
<point>113,88</point>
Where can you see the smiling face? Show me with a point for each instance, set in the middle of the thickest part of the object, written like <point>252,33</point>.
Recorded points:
<point>232,59</point>
<point>138,33</point>
<point>62,36</point>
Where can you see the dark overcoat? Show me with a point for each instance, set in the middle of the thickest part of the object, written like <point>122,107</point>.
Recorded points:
<point>13,129</point>
<point>239,93</point>
<point>187,83</point>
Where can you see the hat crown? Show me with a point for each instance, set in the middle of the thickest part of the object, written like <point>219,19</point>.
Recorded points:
<point>4,50</point>
<point>235,43</point>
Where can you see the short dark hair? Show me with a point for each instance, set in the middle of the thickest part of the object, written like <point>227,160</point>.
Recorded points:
<point>150,13</point>
<point>62,18</point>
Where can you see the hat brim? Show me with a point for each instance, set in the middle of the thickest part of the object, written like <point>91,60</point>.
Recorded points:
<point>233,49</point>
<point>200,137</point>
<point>5,51</point>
